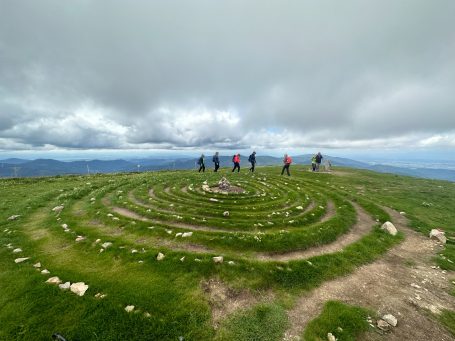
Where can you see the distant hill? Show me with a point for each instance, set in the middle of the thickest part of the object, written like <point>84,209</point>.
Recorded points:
<point>49,167</point>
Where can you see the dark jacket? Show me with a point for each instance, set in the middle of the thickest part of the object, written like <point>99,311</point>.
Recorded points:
<point>216,159</point>
<point>252,158</point>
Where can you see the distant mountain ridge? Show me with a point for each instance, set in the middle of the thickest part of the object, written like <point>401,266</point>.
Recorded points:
<point>15,167</point>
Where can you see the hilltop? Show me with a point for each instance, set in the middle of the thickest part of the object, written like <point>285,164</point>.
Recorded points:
<point>173,255</point>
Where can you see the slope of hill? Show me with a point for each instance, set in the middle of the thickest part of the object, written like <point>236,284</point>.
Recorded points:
<point>171,255</point>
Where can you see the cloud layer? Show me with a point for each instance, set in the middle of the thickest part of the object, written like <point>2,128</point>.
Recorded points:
<point>231,74</point>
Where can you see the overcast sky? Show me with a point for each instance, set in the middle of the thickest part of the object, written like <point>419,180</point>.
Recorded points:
<point>207,75</point>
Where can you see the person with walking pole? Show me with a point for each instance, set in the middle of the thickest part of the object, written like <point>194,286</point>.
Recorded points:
<point>201,164</point>
<point>252,160</point>
<point>287,162</point>
<point>216,161</point>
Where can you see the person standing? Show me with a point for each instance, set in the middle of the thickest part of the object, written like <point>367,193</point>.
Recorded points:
<point>318,160</point>
<point>252,160</point>
<point>287,162</point>
<point>216,161</point>
<point>236,161</point>
<point>313,162</point>
<point>201,164</point>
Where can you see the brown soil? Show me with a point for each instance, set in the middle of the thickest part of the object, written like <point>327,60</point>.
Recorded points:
<point>329,213</point>
<point>231,189</point>
<point>361,228</point>
<point>385,287</point>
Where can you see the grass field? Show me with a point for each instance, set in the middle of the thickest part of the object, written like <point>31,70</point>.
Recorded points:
<point>187,295</point>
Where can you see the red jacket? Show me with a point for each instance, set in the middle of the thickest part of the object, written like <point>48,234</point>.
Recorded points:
<point>288,160</point>
<point>237,158</point>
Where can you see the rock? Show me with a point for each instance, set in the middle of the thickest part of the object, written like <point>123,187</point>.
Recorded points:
<point>110,215</point>
<point>224,184</point>
<point>390,228</point>
<point>106,245</point>
<point>390,319</point>
<point>79,288</point>
<point>231,262</point>
<point>100,295</point>
<point>18,250</point>
<point>187,234</point>
<point>45,272</point>
<point>134,251</point>
<point>178,234</point>
<point>213,199</point>
<point>64,286</point>
<point>330,337</point>
<point>160,256</point>
<point>97,241</point>
<point>129,308</point>
<point>218,260</point>
<point>14,217</point>
<point>383,325</point>
<point>79,238</point>
<point>37,265</point>
<point>54,280</point>
<point>20,260</point>
<point>439,235</point>
<point>403,213</point>
<point>301,208</point>
<point>226,213</point>
<point>58,209</point>
<point>182,259</point>
<point>65,226</point>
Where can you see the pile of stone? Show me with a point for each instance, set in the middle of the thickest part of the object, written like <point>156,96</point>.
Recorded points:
<point>224,184</point>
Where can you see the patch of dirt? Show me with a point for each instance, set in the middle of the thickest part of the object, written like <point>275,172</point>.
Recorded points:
<point>390,285</point>
<point>329,212</point>
<point>231,189</point>
<point>361,228</point>
<point>224,300</point>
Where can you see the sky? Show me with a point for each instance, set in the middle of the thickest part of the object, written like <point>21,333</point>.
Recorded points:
<point>174,77</point>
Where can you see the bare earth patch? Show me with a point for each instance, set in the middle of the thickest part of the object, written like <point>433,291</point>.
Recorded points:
<point>390,285</point>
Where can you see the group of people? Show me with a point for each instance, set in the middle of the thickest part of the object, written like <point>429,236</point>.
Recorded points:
<point>287,160</point>
<point>316,162</point>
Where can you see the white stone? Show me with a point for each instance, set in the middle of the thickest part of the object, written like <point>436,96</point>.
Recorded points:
<point>390,319</point>
<point>403,213</point>
<point>439,235</point>
<point>390,228</point>
<point>110,215</point>
<point>79,288</point>
<point>97,241</point>
<point>226,213</point>
<point>79,238</point>
<point>58,209</point>
<point>18,250</point>
<point>65,226</point>
<point>106,245</point>
<point>45,272</point>
<point>231,262</point>
<point>37,265</point>
<point>213,199</point>
<point>383,325</point>
<point>20,260</point>
<point>182,259</point>
<point>100,295</point>
<point>299,208</point>
<point>129,308</point>
<point>54,280</point>
<point>160,256</point>
<point>187,234</point>
<point>64,286</point>
<point>218,259</point>
<point>178,234</point>
<point>330,337</point>
<point>14,217</point>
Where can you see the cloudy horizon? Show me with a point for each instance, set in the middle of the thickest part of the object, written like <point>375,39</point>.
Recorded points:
<point>232,75</point>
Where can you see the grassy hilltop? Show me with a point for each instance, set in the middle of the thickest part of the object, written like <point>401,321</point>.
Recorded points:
<point>280,237</point>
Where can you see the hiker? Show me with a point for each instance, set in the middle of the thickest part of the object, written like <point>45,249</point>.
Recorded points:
<point>216,161</point>
<point>318,160</point>
<point>201,164</point>
<point>236,160</point>
<point>287,162</point>
<point>313,162</point>
<point>252,160</point>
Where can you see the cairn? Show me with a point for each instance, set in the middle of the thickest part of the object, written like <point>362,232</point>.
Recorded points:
<point>224,184</point>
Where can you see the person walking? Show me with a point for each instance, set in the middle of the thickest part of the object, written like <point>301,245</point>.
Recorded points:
<point>318,160</point>
<point>236,161</point>
<point>313,162</point>
<point>216,161</point>
<point>201,164</point>
<point>287,162</point>
<point>252,160</point>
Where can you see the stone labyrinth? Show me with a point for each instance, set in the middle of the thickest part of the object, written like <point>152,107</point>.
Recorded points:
<point>262,229</point>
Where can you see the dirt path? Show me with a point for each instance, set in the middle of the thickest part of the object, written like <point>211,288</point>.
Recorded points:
<point>402,283</point>
<point>361,228</point>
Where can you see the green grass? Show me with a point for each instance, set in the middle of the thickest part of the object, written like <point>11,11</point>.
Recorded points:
<point>447,318</point>
<point>344,321</point>
<point>266,218</point>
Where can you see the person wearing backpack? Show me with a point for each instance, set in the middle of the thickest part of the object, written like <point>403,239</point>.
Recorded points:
<point>236,161</point>
<point>313,162</point>
<point>252,160</point>
<point>201,164</point>
<point>287,162</point>
<point>318,160</point>
<point>216,161</point>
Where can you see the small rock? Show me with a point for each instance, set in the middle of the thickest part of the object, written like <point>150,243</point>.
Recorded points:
<point>79,238</point>
<point>187,234</point>
<point>18,250</point>
<point>97,241</point>
<point>383,325</point>
<point>439,235</point>
<point>160,256</point>
<point>110,215</point>
<point>20,260</point>
<point>301,208</point>
<point>106,245</point>
<point>129,308</point>
<point>178,234</point>
<point>79,288</point>
<point>37,265</point>
<point>54,280</point>
<point>390,228</point>
<point>182,259</point>
<point>213,199</point>
<point>231,262</point>
<point>64,286</point>
<point>226,213</point>
<point>45,272</point>
<point>100,295</point>
<point>14,217</point>
<point>330,337</point>
<point>390,319</point>
<point>403,213</point>
<point>146,314</point>
<point>58,209</point>
<point>435,310</point>
<point>218,260</point>
<point>65,226</point>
